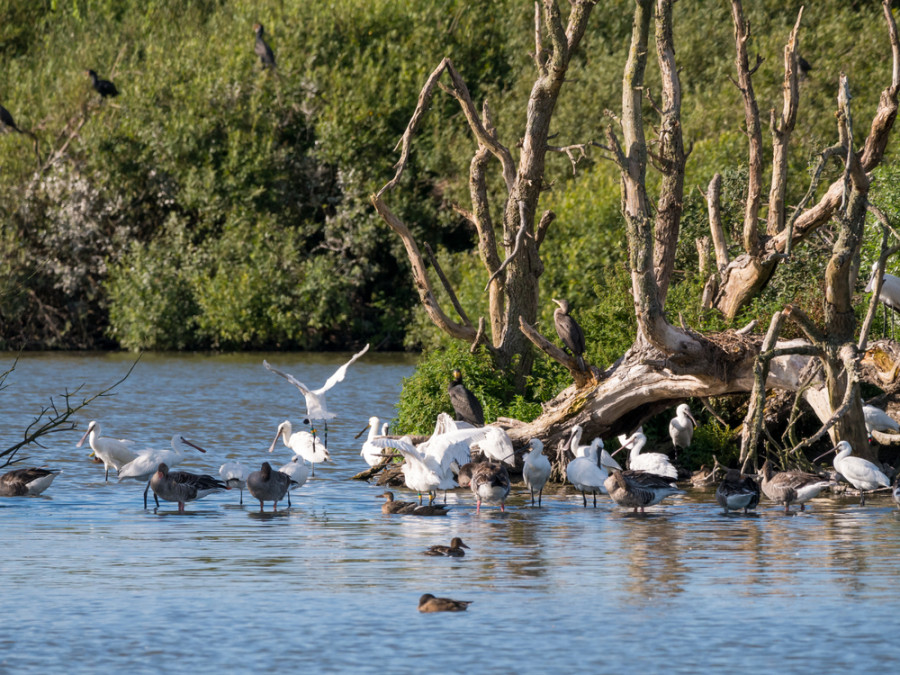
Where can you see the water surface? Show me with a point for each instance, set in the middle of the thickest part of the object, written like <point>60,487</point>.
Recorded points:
<point>93,582</point>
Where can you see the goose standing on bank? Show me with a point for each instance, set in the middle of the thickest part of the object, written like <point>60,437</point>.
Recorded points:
<point>681,428</point>
<point>303,443</point>
<point>467,407</point>
<point>146,463</point>
<point>787,487</point>
<point>113,452</point>
<point>536,470</point>
<point>569,331</point>
<point>316,408</point>
<point>651,462</point>
<point>183,486</point>
<point>859,472</point>
<point>26,482</point>
<point>638,489</point>
<point>737,492</point>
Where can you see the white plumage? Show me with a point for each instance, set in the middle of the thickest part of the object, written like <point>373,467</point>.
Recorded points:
<point>878,420</point>
<point>606,460</point>
<point>859,472</point>
<point>234,474</point>
<point>536,470</point>
<point>651,462</point>
<point>146,463</point>
<point>113,452</point>
<point>303,443</point>
<point>585,475</point>
<point>681,428</point>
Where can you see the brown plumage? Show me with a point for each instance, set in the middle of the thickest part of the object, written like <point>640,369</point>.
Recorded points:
<point>391,507</point>
<point>786,487</point>
<point>454,550</point>
<point>569,331</point>
<point>490,483</point>
<point>183,486</point>
<point>737,492</point>
<point>26,482</point>
<point>263,51</point>
<point>268,485</point>
<point>429,603</point>
<point>638,489</point>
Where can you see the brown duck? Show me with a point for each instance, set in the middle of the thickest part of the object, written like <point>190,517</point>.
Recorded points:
<point>392,507</point>
<point>429,603</point>
<point>454,550</point>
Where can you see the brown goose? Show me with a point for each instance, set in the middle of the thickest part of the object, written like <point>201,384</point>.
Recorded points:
<point>639,489</point>
<point>786,487</point>
<point>26,482</point>
<point>737,492</point>
<point>268,485</point>
<point>183,486</point>
<point>454,550</point>
<point>490,483</point>
<point>391,507</point>
<point>429,603</point>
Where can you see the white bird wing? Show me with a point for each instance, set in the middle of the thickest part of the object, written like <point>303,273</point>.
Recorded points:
<point>339,374</point>
<point>496,444</point>
<point>401,444</point>
<point>234,470</point>
<point>607,461</point>
<point>446,450</point>
<point>290,378</point>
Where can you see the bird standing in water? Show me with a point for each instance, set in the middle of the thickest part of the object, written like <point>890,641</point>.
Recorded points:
<point>569,331</point>
<point>268,485</point>
<point>183,486</point>
<point>263,51</point>
<point>737,492</point>
<point>103,87</point>
<point>859,472</point>
<point>26,482</point>
<point>786,487</point>
<point>467,407</point>
<point>536,469</point>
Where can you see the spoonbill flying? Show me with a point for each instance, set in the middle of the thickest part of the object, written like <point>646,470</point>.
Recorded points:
<point>859,472</point>
<point>183,486</point>
<point>112,452</point>
<point>303,443</point>
<point>316,409</point>
<point>26,482</point>
<point>536,469</point>
<point>142,467</point>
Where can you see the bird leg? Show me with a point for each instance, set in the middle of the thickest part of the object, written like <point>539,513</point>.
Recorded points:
<point>260,505</point>
<point>584,498</point>
<point>502,507</point>
<point>477,506</point>
<point>242,496</point>
<point>180,507</point>
<point>595,500</point>
<point>289,497</point>
<point>862,494</point>
<point>532,496</point>
<point>540,495</point>
<point>107,474</point>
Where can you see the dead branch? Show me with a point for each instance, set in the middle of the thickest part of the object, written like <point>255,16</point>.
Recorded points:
<point>581,377</point>
<point>447,287</point>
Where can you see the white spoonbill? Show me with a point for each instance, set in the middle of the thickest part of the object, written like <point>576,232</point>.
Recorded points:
<point>234,474</point>
<point>878,420</point>
<point>584,473</point>
<point>305,444</point>
<point>681,428</point>
<point>889,295</point>
<point>421,472</point>
<point>373,449</point>
<point>651,462</point>
<point>143,466</point>
<point>536,470</point>
<point>183,486</point>
<point>113,452</point>
<point>315,398</point>
<point>299,473</point>
<point>606,460</point>
<point>859,472</point>
<point>26,482</point>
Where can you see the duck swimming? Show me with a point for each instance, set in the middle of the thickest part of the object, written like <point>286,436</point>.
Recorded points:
<point>429,603</point>
<point>454,550</point>
<point>26,482</point>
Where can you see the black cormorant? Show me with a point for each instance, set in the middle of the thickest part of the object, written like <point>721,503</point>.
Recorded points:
<point>104,87</point>
<point>263,51</point>
<point>467,407</point>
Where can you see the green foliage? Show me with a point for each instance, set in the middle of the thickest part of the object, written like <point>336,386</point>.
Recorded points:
<point>712,439</point>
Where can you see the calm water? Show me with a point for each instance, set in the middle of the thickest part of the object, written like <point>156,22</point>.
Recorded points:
<point>93,582</point>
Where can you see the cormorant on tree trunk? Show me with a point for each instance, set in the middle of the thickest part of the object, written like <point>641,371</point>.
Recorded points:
<point>569,331</point>
<point>467,407</point>
<point>263,51</point>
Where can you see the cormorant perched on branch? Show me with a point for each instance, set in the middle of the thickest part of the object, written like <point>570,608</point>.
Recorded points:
<point>467,407</point>
<point>104,87</point>
<point>569,331</point>
<point>263,51</point>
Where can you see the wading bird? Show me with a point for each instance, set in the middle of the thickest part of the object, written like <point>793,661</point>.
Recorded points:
<point>429,603</point>
<point>787,487</point>
<point>262,49</point>
<point>303,443</point>
<point>234,474</point>
<point>737,492</point>
<point>639,489</point>
<point>298,472</point>
<point>889,295</point>
<point>585,475</point>
<point>490,484</point>
<point>859,472</point>
<point>373,449</point>
<point>606,459</point>
<point>316,409</point>
<point>569,331</point>
<point>651,462</point>
<point>103,87</point>
<point>26,482</point>
<point>113,452</point>
<point>142,467</point>
<point>268,485</point>
<point>681,428</point>
<point>536,470</point>
<point>878,420</point>
<point>183,486</point>
<point>454,550</point>
<point>467,407</point>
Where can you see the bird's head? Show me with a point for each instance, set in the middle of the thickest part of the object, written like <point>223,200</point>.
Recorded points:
<point>563,305</point>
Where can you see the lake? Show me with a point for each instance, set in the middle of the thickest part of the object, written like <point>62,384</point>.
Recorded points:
<point>93,582</point>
